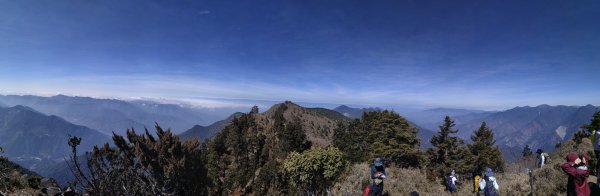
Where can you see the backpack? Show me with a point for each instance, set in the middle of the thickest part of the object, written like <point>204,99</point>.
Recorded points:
<point>489,189</point>
<point>597,140</point>
<point>449,185</point>
<point>367,190</point>
<point>546,157</point>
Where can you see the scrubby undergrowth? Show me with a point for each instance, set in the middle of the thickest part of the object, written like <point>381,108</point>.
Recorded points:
<point>549,180</point>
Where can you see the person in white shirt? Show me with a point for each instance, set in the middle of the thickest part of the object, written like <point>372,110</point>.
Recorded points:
<point>543,160</point>
<point>451,182</point>
<point>488,183</point>
<point>596,143</point>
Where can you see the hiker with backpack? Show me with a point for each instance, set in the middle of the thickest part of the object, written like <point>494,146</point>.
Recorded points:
<point>576,169</point>
<point>377,176</point>
<point>488,183</point>
<point>451,182</point>
<point>542,157</point>
<point>596,143</point>
<point>476,179</point>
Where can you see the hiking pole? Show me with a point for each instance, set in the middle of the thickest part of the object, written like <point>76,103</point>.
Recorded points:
<point>530,181</point>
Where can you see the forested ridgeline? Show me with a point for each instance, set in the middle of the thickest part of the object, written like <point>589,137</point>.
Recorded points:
<point>290,150</point>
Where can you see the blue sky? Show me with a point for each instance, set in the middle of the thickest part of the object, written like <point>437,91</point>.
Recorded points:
<point>464,54</point>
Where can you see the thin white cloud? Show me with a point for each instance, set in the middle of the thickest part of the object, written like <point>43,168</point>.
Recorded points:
<point>409,88</point>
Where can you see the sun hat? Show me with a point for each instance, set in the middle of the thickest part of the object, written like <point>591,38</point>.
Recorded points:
<point>377,162</point>
<point>489,172</point>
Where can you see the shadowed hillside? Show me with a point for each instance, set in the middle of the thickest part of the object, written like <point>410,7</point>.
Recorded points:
<point>354,112</point>
<point>112,115</point>
<point>539,127</point>
<point>15,180</point>
<point>201,133</point>
<point>31,138</point>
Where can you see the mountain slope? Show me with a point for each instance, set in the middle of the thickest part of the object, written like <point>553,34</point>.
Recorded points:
<point>205,132</point>
<point>353,112</point>
<point>539,127</point>
<point>30,137</point>
<point>318,123</point>
<point>111,115</point>
<point>16,180</point>
<point>430,119</point>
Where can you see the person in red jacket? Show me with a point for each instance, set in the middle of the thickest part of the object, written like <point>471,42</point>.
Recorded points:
<point>578,173</point>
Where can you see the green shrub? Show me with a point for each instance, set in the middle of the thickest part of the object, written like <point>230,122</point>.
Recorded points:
<point>34,182</point>
<point>314,170</point>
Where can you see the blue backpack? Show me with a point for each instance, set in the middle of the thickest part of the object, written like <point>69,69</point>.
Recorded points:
<point>489,189</point>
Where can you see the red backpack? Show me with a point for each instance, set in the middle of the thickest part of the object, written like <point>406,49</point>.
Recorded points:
<point>367,190</point>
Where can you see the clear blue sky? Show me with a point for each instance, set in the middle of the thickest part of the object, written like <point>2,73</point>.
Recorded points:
<point>465,54</point>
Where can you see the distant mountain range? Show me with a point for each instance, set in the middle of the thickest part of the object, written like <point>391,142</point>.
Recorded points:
<point>542,126</point>
<point>353,112</point>
<point>31,138</point>
<point>431,118</point>
<point>202,133</point>
<point>111,115</point>
<point>539,127</point>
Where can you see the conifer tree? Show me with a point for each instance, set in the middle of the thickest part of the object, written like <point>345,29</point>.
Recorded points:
<point>246,159</point>
<point>142,165</point>
<point>448,150</point>
<point>384,134</point>
<point>527,151</point>
<point>293,137</point>
<point>351,138</point>
<point>392,137</point>
<point>484,153</point>
<point>594,124</point>
<point>235,154</point>
<point>587,129</point>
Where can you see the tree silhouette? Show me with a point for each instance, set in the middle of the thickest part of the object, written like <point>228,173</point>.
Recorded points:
<point>384,134</point>
<point>448,150</point>
<point>527,151</point>
<point>484,153</point>
<point>142,165</point>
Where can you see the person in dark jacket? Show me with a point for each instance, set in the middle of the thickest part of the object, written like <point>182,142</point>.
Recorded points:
<point>377,176</point>
<point>578,172</point>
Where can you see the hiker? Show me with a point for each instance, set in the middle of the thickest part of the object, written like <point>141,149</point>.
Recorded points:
<point>488,183</point>
<point>596,143</point>
<point>576,168</point>
<point>541,157</point>
<point>377,175</point>
<point>476,179</point>
<point>451,182</point>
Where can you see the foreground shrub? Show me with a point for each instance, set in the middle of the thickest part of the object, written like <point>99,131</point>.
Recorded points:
<point>142,165</point>
<point>314,170</point>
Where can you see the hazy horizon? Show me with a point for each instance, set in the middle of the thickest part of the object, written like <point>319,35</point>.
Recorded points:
<point>244,105</point>
<point>460,54</point>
